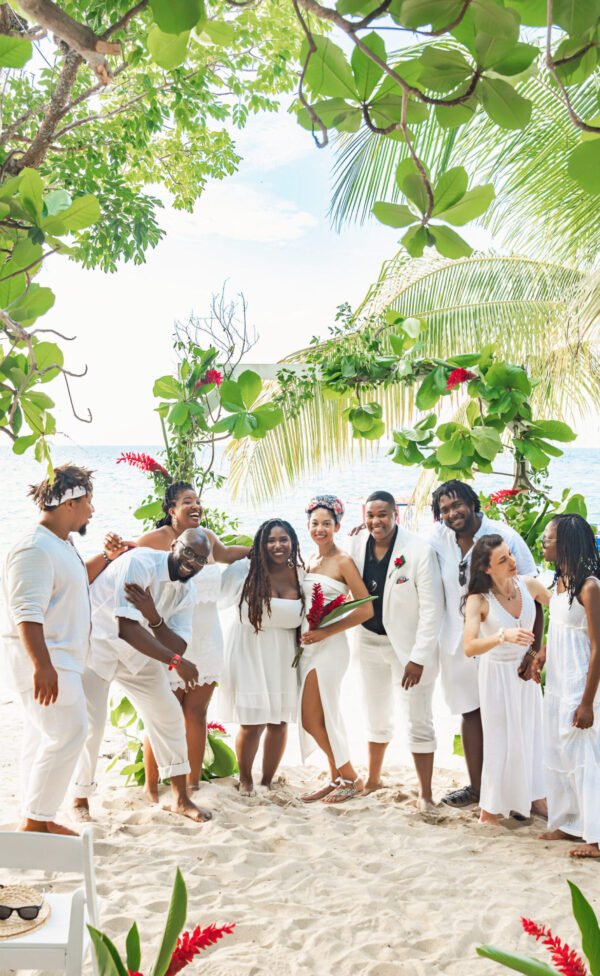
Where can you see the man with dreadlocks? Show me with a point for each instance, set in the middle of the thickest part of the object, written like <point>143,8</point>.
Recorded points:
<point>459,524</point>
<point>260,688</point>
<point>46,643</point>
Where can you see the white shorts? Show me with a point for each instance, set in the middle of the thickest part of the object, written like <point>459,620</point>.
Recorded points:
<point>382,673</point>
<point>460,682</point>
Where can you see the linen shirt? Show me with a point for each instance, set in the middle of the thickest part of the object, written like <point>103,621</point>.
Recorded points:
<point>45,582</point>
<point>443,541</point>
<point>174,602</point>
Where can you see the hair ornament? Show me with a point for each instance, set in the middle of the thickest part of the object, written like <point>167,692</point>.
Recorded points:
<point>330,502</point>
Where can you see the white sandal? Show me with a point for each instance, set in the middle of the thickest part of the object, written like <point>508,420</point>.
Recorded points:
<point>346,789</point>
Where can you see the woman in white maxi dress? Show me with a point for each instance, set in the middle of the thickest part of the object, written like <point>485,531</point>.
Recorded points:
<point>183,510</point>
<point>260,685</point>
<point>499,620</point>
<point>325,653</point>
<point>572,694</point>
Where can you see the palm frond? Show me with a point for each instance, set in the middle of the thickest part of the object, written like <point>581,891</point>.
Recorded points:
<point>535,313</point>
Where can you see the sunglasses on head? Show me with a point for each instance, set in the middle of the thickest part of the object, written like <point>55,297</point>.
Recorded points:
<point>27,912</point>
<point>462,572</point>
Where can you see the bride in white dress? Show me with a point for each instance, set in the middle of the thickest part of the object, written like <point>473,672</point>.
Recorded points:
<point>499,621</point>
<point>325,654</point>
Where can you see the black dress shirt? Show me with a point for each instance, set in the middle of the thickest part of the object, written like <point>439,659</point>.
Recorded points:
<point>374,577</point>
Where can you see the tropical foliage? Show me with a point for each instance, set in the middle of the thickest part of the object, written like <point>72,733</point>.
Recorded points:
<point>565,959</point>
<point>175,952</point>
<point>529,512</point>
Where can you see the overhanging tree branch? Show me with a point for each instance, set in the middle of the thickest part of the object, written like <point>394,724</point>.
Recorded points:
<point>80,38</point>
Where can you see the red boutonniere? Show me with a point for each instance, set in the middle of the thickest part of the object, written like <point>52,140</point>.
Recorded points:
<point>399,562</point>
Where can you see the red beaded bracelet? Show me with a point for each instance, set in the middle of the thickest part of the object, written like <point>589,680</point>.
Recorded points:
<point>174,662</point>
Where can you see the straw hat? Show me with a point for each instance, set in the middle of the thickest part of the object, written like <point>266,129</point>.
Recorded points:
<point>20,896</point>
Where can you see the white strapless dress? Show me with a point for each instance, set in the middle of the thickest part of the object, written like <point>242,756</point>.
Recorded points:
<point>259,684</point>
<point>205,649</point>
<point>330,659</point>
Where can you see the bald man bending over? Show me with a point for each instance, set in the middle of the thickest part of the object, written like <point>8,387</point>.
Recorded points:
<point>138,653</point>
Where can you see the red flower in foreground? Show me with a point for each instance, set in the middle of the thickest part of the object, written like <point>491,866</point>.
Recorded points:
<point>144,462</point>
<point>564,958</point>
<point>216,727</point>
<point>211,376</point>
<point>191,943</point>
<point>458,376</point>
<point>320,609</point>
<point>498,497</point>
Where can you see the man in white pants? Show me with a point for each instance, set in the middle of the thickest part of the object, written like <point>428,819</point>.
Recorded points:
<point>398,646</point>
<point>46,639</point>
<point>142,605</point>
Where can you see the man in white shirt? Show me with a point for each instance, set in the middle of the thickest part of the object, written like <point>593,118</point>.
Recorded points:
<point>398,646</point>
<point>459,524</point>
<point>136,640</point>
<point>46,640</point>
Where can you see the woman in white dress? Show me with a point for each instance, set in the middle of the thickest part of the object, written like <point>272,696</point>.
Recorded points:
<point>572,693</point>
<point>499,619</point>
<point>325,654</point>
<point>183,510</point>
<point>260,687</point>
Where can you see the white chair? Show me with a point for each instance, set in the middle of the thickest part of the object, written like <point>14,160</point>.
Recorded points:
<point>62,942</point>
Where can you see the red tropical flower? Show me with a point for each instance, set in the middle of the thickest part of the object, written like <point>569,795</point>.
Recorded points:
<point>317,607</point>
<point>144,462</point>
<point>458,376</point>
<point>131,973</point>
<point>498,497</point>
<point>216,727</point>
<point>564,958</point>
<point>211,376</point>
<point>191,943</point>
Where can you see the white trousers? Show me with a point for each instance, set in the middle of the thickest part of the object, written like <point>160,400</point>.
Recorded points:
<point>53,738</point>
<point>460,681</point>
<point>150,692</point>
<point>382,672</point>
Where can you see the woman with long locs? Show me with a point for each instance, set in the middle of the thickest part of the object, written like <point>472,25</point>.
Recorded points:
<point>183,510</point>
<point>572,689</point>
<point>259,689</point>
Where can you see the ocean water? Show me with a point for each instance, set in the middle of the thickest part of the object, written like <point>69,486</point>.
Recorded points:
<point>119,490</point>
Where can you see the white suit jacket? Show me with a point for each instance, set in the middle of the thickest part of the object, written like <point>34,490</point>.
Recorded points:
<point>413,610</point>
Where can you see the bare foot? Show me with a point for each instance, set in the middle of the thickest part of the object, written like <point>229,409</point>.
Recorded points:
<point>319,794</point>
<point>373,787</point>
<point>151,793</point>
<point>246,788</point>
<point>585,850</point>
<point>539,808</point>
<point>489,818</point>
<point>556,835</point>
<point>46,827</point>
<point>428,808</point>
<point>184,807</point>
<point>80,811</point>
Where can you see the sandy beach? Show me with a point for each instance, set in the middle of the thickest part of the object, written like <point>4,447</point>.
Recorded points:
<point>367,888</point>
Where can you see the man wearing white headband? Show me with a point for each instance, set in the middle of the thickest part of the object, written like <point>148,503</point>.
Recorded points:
<point>46,640</point>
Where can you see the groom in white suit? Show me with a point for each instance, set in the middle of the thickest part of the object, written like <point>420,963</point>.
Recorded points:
<point>398,646</point>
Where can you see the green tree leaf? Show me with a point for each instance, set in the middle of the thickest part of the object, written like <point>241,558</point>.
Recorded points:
<point>473,204</point>
<point>451,116</point>
<point>393,214</point>
<point>505,106</point>
<point>268,416</point>
<point>179,413</point>
<point>328,71</point>
<point>584,165</point>
<point>249,384</point>
<point>438,13</point>
<point>175,17</point>
<point>450,452</point>
<point>84,211</point>
<point>575,16</point>
<point>520,58</point>
<point>31,304</point>
<point>518,963</point>
<point>221,32</point>
<point>334,113</point>
<point>415,240</point>
<point>31,190</point>
<point>431,388</point>
<point>443,70</point>
<point>168,50</point>
<point>414,188</point>
<point>366,73</point>
<point>555,430</point>
<point>450,188</point>
<point>133,948</point>
<point>15,52</point>
<point>588,926</point>
<point>231,396</point>
<point>175,922</point>
<point>487,442</point>
<point>449,243</point>
<point>245,424</point>
<point>168,388</point>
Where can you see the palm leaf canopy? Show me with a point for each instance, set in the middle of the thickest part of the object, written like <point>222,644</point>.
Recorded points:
<point>542,315</point>
<point>538,210</point>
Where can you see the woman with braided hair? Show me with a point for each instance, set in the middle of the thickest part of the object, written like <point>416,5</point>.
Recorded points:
<point>260,688</point>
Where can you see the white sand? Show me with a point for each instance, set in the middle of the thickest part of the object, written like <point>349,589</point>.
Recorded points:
<point>365,888</point>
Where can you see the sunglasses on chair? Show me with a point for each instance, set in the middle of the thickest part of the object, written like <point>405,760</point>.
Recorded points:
<point>27,912</point>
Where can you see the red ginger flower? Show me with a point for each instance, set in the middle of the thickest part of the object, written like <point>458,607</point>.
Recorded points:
<point>564,958</point>
<point>191,943</point>
<point>317,607</point>
<point>144,462</point>
<point>498,497</point>
<point>216,727</point>
<point>211,376</point>
<point>458,376</point>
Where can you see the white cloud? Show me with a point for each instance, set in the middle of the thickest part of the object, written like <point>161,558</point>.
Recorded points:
<point>237,211</point>
<point>272,141</point>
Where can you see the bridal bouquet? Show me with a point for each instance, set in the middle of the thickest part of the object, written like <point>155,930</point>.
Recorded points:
<point>320,614</point>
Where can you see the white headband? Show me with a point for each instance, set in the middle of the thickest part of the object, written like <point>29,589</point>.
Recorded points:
<point>78,492</point>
